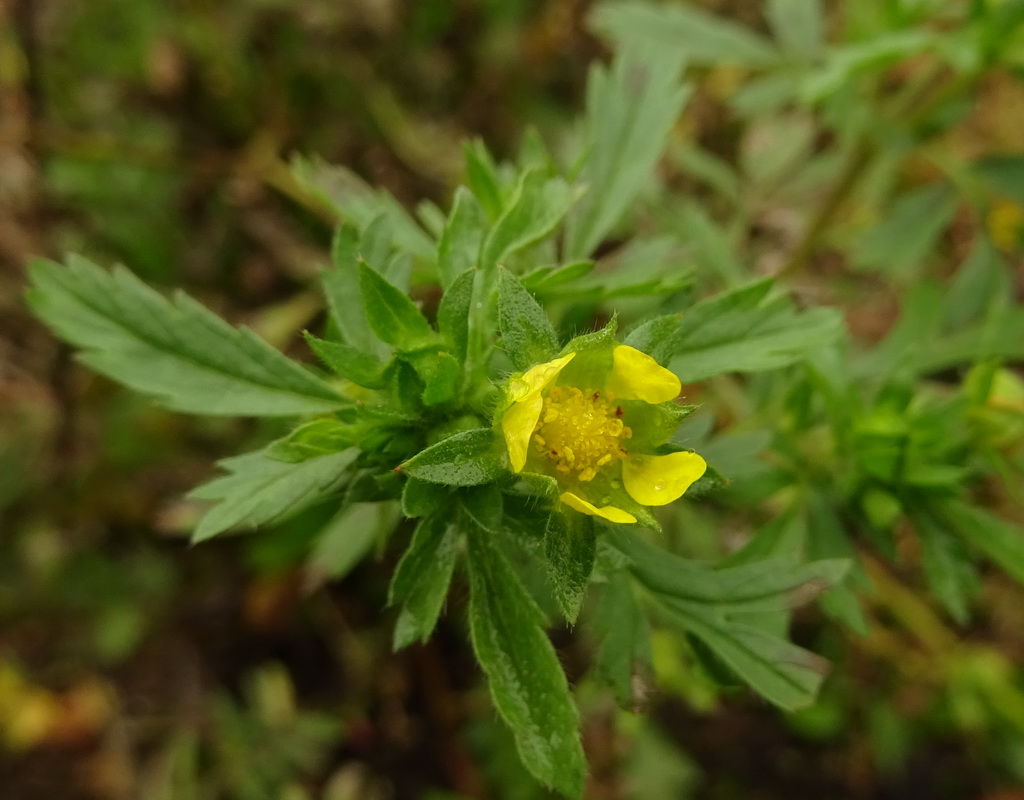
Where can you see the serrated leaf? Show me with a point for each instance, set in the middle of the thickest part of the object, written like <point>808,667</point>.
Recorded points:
<point>537,204</point>
<point>469,458</point>
<point>421,579</point>
<point>390,312</point>
<point>781,672</point>
<point>763,586</point>
<point>460,242</point>
<point>700,37</point>
<point>260,490</point>
<point>625,638</point>
<point>570,545</point>
<point>181,353</point>
<point>526,680</point>
<point>453,313</point>
<point>526,331</point>
<point>901,244</point>
<point>742,330</point>
<point>631,108</point>
<point>358,366</point>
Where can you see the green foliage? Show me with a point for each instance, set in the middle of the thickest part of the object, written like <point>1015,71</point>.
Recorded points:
<point>527,682</point>
<point>182,354</point>
<point>260,489</point>
<point>526,332</point>
<point>905,447</point>
<point>420,582</point>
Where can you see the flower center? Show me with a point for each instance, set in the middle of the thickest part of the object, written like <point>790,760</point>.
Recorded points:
<point>580,431</point>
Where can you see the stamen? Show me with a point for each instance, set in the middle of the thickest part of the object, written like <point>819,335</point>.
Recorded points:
<point>580,431</point>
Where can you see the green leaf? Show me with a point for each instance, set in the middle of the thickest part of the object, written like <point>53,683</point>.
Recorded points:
<point>421,579</point>
<point>701,38</point>
<point>742,330</point>
<point>465,459</point>
<point>341,288</point>
<point>781,672</point>
<point>902,243</point>
<point>391,313</point>
<point>526,331</point>
<point>630,112</point>
<point>482,177</point>
<point>570,545</point>
<point>358,366</point>
<point>485,506</point>
<point>461,239</point>
<point>538,203</point>
<point>440,373</point>
<point>947,564</point>
<point>348,538</point>
<point>313,439</point>
<point>260,490</point>
<point>625,638</point>
<point>526,680</point>
<point>798,25</point>
<point>999,540</point>
<point>421,498</point>
<point>763,586</point>
<point>352,199</point>
<point>711,251</point>
<point>181,353</point>
<point>453,313</point>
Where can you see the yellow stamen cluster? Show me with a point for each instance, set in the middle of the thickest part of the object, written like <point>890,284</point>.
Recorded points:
<point>580,431</point>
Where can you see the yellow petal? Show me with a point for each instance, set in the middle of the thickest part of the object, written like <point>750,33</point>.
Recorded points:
<point>520,419</point>
<point>537,378</point>
<point>637,376</point>
<point>610,513</point>
<point>657,480</point>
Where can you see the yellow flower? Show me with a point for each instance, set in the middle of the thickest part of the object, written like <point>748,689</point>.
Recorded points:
<point>592,420</point>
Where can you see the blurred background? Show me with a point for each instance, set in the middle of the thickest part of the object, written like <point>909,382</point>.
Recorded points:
<point>157,134</point>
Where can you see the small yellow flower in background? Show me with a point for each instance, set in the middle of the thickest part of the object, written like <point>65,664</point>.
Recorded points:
<point>592,420</point>
<point>1006,224</point>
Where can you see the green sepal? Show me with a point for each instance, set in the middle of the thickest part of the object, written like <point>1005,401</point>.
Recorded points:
<point>570,545</point>
<point>525,677</point>
<point>453,313</point>
<point>526,331</point>
<point>421,579</point>
<point>351,363</point>
<point>391,314</point>
<point>421,498</point>
<point>602,339</point>
<point>465,459</point>
<point>318,437</point>
<point>653,425</point>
